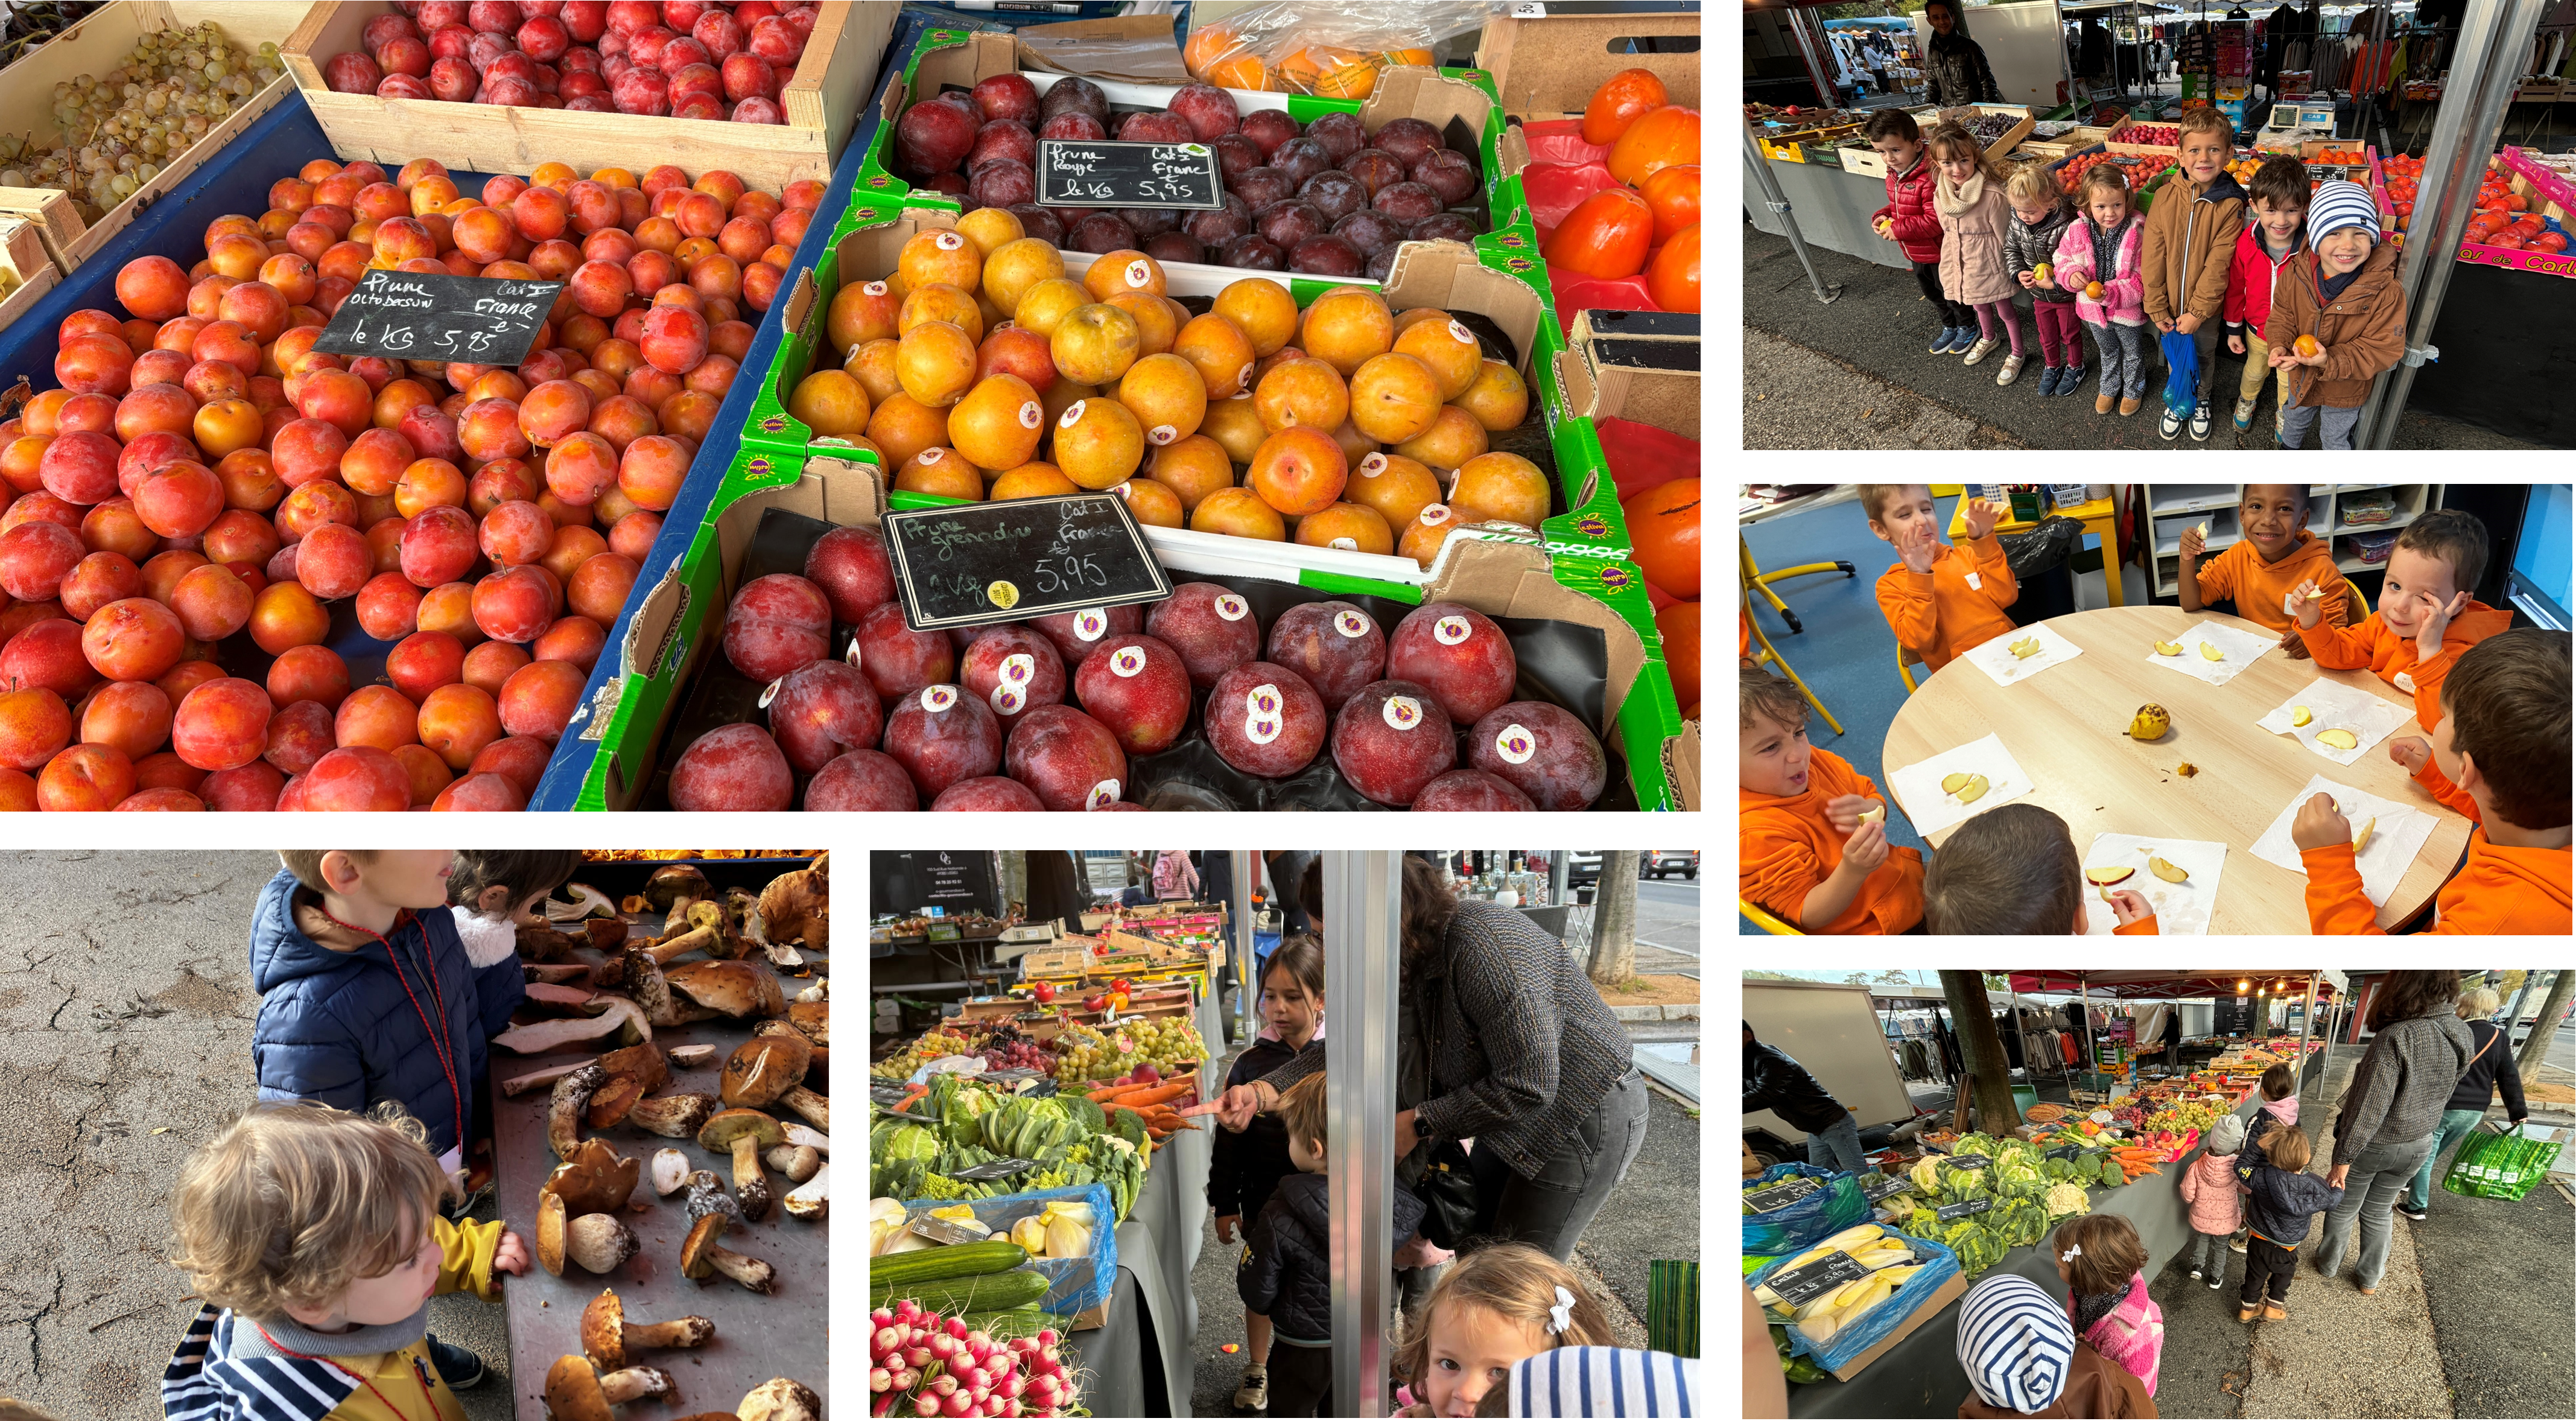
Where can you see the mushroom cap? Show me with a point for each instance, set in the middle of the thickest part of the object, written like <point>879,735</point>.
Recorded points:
<point>738,989</point>
<point>674,882</point>
<point>761,1069</point>
<point>727,1126</point>
<point>707,1196</point>
<point>550,1232</point>
<point>611,1102</point>
<point>780,1399</point>
<point>606,933</point>
<point>594,1181</point>
<point>670,1172</point>
<point>603,1330</point>
<point>572,1391</point>
<point>812,1018</point>
<point>642,1061</point>
<point>705,1234</point>
<point>600,1242</point>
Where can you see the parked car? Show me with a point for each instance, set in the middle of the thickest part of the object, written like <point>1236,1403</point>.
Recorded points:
<point>1655,863</point>
<point>1582,867</point>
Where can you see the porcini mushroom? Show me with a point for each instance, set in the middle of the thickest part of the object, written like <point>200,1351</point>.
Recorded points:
<point>521,1085</point>
<point>763,1068</point>
<point>702,1255</point>
<point>606,1335</point>
<point>609,1104</point>
<point>736,989</point>
<point>564,1113</point>
<point>642,977</point>
<point>797,1162</point>
<point>619,1023</point>
<point>707,1196</point>
<point>599,1242</point>
<point>806,1135</point>
<point>606,933</point>
<point>538,942</point>
<point>696,938</point>
<point>676,1117</point>
<point>670,1171</point>
<point>594,1180</point>
<point>575,1390</point>
<point>796,906</point>
<point>780,1399</point>
<point>558,972</point>
<point>806,1103</point>
<point>744,1133</point>
<point>550,1232</point>
<point>587,902</point>
<point>689,1058</point>
<point>814,1018</point>
<point>674,882</point>
<point>811,1200</point>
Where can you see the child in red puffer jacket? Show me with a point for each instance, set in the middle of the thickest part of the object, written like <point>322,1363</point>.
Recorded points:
<point>2276,233</point>
<point>1909,221</point>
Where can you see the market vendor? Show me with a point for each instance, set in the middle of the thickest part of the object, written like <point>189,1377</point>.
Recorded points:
<point>1523,1056</point>
<point>1957,65</point>
<point>1774,1081</point>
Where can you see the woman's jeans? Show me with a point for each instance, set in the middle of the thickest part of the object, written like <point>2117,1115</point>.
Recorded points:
<point>2209,1254</point>
<point>2455,1123</point>
<point>2370,1189</point>
<point>1551,1211</point>
<point>1837,1147</point>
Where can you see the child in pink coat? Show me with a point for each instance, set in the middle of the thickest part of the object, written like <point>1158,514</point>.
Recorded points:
<point>2103,244</point>
<point>2208,1186</point>
<point>2104,1264</point>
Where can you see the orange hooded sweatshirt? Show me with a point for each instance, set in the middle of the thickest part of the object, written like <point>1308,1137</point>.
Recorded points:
<point>2392,657</point>
<point>2498,891</point>
<point>2259,588</point>
<point>1957,606</point>
<point>1787,849</point>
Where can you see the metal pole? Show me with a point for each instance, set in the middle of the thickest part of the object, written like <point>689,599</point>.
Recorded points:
<point>1247,971</point>
<point>1759,164</point>
<point>2306,1016</point>
<point>1361,913</point>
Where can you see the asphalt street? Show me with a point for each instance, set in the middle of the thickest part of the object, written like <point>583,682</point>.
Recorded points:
<point>125,1025</point>
<point>1668,925</point>
<point>1852,374</point>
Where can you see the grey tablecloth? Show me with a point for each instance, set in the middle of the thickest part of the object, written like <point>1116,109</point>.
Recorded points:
<point>1109,1360</point>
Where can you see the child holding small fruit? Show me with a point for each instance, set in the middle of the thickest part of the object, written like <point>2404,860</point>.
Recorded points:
<point>2426,615</point>
<point>2040,220</point>
<point>2264,573</point>
<point>1909,222</point>
<point>2339,319</point>
<point>2014,871</point>
<point>1245,1168</point>
<point>1968,196</point>
<point>1940,601</point>
<point>2263,253</point>
<point>2097,259</point>
<point>2191,234</point>
<point>1811,830</point>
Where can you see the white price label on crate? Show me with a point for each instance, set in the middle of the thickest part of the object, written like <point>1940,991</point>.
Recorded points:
<point>1529,11</point>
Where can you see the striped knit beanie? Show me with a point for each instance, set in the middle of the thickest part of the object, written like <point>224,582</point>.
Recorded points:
<point>2015,1343</point>
<point>2340,204</point>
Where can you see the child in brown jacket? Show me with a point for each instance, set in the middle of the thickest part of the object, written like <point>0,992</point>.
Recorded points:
<point>2192,228</point>
<point>2342,297</point>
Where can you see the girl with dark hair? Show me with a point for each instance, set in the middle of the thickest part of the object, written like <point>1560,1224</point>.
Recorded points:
<point>1245,1168</point>
<point>1956,66</point>
<point>2391,1111</point>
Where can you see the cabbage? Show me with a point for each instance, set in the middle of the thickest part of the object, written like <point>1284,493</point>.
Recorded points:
<point>911,1142</point>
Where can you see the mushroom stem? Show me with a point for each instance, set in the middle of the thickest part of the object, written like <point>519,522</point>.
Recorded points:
<point>752,1273</point>
<point>694,938</point>
<point>680,1332</point>
<point>748,1181</point>
<point>625,1386</point>
<point>806,1103</point>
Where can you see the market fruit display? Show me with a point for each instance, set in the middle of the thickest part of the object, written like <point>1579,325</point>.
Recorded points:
<point>1615,199</point>
<point>929,1362</point>
<point>2150,135</point>
<point>114,132</point>
<point>203,485</point>
<point>684,58</point>
<point>1069,1140</point>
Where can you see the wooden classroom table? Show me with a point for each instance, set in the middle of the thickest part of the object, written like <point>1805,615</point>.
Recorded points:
<point>2068,727</point>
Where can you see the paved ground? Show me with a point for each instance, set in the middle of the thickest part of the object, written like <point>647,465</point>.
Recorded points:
<point>1852,375</point>
<point>1668,926</point>
<point>125,1021</point>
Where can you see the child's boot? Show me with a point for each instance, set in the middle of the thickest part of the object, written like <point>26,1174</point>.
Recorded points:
<point>2272,1312</point>
<point>1254,1394</point>
<point>2012,372</point>
<point>2132,405</point>
<point>2102,403</point>
<point>2244,1313</point>
<point>459,1368</point>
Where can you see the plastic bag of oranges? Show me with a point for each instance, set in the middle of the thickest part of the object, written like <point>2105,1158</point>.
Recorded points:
<point>1333,50</point>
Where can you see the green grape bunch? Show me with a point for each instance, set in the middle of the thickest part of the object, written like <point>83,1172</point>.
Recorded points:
<point>117,131</point>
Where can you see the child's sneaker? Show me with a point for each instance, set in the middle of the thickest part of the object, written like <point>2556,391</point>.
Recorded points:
<point>1254,1394</point>
<point>2132,405</point>
<point>2168,424</point>
<point>2236,1244</point>
<point>2195,1273</point>
<point>2011,371</point>
<point>460,1369</point>
<point>1985,346</point>
<point>2217,1279</point>
<point>2245,412</point>
<point>1941,343</point>
<point>2102,403</point>
<point>2048,379</point>
<point>2200,420</point>
<point>2072,380</point>
<point>1966,337</point>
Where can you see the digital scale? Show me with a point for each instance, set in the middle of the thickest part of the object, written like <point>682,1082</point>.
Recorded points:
<point>2291,124</point>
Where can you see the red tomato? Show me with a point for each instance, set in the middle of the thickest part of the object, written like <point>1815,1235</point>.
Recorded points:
<point>1673,195</point>
<point>1674,278</point>
<point>1667,137</point>
<point>1621,100</point>
<point>1607,235</point>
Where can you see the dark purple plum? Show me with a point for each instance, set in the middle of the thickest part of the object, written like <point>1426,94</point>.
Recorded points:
<point>1150,221</point>
<point>1073,126</point>
<point>1155,127</point>
<point>1169,247</point>
<point>934,137</point>
<point>1100,233</point>
<point>1334,193</point>
<point>1326,256</point>
<point>948,184</point>
<point>1074,95</point>
<point>1071,215</point>
<point>1407,138</point>
<point>1377,170</point>
<point>1301,158</point>
<point>1003,138</point>
<point>1210,112</point>
<point>1340,133</point>
<point>1369,230</point>
<point>1236,155</point>
<point>1251,253</point>
<point>1002,183</point>
<point>1269,128</point>
<point>1444,227</point>
<point>1381,262</point>
<point>1408,202</point>
<point>1039,222</point>
<point>1285,224</point>
<point>1448,174</point>
<point>1007,96</point>
<point>1260,187</point>
<point>1220,225</point>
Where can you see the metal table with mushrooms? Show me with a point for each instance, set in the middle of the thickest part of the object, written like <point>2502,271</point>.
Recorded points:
<point>664,1147</point>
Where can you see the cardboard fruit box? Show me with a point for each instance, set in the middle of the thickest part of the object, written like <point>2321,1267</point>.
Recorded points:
<point>95,45</point>
<point>820,101</point>
<point>1546,67</point>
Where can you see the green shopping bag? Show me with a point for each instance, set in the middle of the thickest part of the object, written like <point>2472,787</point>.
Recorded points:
<point>2501,1165</point>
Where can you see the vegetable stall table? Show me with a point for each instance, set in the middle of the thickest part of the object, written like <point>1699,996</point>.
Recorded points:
<point>756,1338</point>
<point>1832,206</point>
<point>1157,1247</point>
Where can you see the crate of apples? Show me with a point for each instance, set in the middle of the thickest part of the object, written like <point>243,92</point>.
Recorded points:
<point>680,59</point>
<point>203,486</point>
<point>2150,135</point>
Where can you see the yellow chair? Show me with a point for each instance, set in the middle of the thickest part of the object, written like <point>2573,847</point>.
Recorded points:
<point>1756,579</point>
<point>1906,661</point>
<point>1766,922</point>
<point>1771,654</point>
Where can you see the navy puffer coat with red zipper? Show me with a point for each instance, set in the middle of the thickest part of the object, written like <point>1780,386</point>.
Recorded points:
<point>1909,208</point>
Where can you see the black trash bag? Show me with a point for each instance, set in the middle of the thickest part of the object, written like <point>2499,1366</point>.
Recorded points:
<point>2036,559</point>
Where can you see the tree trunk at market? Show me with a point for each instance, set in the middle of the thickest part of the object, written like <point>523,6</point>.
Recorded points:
<point>2545,1029</point>
<point>1614,922</point>
<point>1974,1016</point>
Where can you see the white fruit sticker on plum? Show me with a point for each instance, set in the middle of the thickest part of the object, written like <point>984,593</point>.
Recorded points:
<point>1072,415</point>
<point>1449,631</point>
<point>930,456</point>
<point>1350,623</point>
<point>1372,466</point>
<point>874,288</point>
<point>1006,699</point>
<point>1140,273</point>
<point>947,241</point>
<point>852,655</point>
<point>1018,669</point>
<point>1348,545</point>
<point>1032,414</point>
<point>1433,515</point>
<point>1262,720</point>
<point>1515,743</point>
<point>1232,607</point>
<point>1401,712</point>
<point>1128,661</point>
<point>1161,434</point>
<point>769,692</point>
<point>935,699</point>
<point>1464,335</point>
<point>1105,792</point>
<point>1090,624</point>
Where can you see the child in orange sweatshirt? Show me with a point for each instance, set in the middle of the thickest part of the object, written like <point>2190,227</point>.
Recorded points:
<point>2426,615</point>
<point>2013,870</point>
<point>1811,831</point>
<point>1941,600</point>
<point>2499,755</point>
<point>2263,572</point>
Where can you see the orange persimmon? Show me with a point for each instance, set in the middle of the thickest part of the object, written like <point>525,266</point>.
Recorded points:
<point>1673,280</point>
<point>1665,138</point>
<point>1606,235</point>
<point>1672,194</point>
<point>1663,530</point>
<point>1622,99</point>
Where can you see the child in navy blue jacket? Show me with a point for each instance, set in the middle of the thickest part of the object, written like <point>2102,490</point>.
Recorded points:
<point>2281,1201</point>
<point>1244,1169</point>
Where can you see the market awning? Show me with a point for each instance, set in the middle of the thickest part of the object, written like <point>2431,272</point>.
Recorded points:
<point>2204,982</point>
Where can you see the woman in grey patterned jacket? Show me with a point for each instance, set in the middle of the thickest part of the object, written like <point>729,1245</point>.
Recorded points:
<point>2391,1109</point>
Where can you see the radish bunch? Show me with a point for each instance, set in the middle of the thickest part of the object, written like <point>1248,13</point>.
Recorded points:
<point>923,1364</point>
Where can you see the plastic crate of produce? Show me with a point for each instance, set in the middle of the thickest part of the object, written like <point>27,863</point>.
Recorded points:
<point>1545,68</point>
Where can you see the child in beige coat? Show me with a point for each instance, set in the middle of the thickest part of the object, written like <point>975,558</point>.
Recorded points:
<point>1968,196</point>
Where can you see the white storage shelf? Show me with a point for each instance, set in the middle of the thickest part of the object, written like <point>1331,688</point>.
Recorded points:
<point>2174,508</point>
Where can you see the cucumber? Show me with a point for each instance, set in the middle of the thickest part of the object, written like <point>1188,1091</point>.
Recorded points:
<point>981,1292</point>
<point>1014,1322</point>
<point>956,1260</point>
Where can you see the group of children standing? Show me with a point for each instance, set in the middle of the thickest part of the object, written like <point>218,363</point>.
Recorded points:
<point>2306,293</point>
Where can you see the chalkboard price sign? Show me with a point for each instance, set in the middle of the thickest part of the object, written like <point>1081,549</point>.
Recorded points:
<point>1181,175</point>
<point>2063,1152</point>
<point>1878,1187</point>
<point>1947,1212</point>
<point>1968,1161</point>
<point>1803,1283</point>
<point>974,564</point>
<point>412,315</point>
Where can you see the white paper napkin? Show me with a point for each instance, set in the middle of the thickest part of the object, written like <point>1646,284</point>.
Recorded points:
<point>2394,843</point>
<point>1995,657</point>
<point>2182,909</point>
<point>2239,648</point>
<point>2333,705</point>
<point>1918,786</point>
